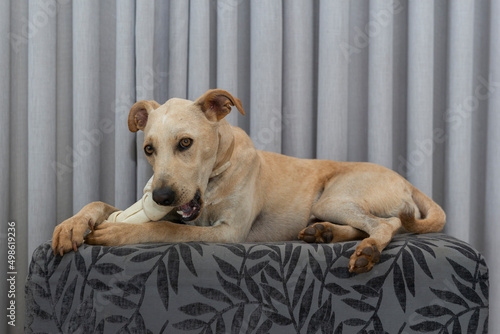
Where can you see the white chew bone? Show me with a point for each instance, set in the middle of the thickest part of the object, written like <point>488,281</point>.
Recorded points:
<point>142,211</point>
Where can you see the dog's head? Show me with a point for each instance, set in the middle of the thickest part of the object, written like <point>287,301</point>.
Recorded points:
<point>184,141</point>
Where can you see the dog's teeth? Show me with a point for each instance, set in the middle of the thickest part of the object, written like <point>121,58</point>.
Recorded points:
<point>180,212</point>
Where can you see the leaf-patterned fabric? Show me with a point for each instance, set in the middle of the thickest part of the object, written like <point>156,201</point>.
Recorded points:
<point>424,283</point>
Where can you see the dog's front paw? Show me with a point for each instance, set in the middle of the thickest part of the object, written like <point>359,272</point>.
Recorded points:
<point>319,232</point>
<point>114,234</point>
<point>69,234</point>
<point>365,257</point>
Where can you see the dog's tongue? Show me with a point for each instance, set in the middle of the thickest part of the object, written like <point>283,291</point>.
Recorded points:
<point>187,209</point>
<point>190,210</point>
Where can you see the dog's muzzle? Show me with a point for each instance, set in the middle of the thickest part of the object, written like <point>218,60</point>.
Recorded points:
<point>192,209</point>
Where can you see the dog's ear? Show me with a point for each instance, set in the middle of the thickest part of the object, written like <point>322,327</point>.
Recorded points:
<point>216,104</point>
<point>138,116</point>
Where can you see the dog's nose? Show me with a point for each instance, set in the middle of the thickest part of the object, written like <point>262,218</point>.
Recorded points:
<point>164,196</point>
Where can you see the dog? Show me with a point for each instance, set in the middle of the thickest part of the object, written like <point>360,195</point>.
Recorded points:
<point>253,195</point>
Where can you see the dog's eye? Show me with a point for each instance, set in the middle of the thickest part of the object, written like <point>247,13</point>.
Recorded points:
<point>148,149</point>
<point>185,143</point>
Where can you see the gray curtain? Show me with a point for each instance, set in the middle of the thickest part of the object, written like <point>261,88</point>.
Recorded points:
<point>412,85</point>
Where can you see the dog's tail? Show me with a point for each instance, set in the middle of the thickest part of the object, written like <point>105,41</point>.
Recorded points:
<point>432,217</point>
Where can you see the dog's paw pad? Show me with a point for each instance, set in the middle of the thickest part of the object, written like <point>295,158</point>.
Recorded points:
<point>318,233</point>
<point>364,258</point>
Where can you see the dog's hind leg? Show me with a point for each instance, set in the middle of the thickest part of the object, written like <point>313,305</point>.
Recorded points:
<point>368,251</point>
<point>376,232</point>
<point>326,232</point>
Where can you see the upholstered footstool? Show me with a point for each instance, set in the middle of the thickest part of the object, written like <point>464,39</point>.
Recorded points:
<point>423,283</point>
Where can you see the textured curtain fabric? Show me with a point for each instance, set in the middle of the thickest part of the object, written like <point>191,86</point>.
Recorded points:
<point>412,85</point>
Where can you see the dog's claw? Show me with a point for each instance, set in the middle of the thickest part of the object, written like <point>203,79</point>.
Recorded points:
<point>317,233</point>
<point>61,251</point>
<point>75,246</point>
<point>91,225</point>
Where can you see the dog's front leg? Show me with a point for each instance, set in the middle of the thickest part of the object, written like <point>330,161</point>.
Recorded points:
<point>69,234</point>
<point>117,234</point>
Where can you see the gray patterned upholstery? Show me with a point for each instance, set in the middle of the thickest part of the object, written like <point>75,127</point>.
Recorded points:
<point>424,283</point>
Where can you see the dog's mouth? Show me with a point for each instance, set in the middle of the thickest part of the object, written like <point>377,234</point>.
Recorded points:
<point>192,209</point>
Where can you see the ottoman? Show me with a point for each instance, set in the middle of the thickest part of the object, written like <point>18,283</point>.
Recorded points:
<point>429,283</point>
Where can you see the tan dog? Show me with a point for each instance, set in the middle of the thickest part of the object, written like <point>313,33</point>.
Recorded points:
<point>257,196</point>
